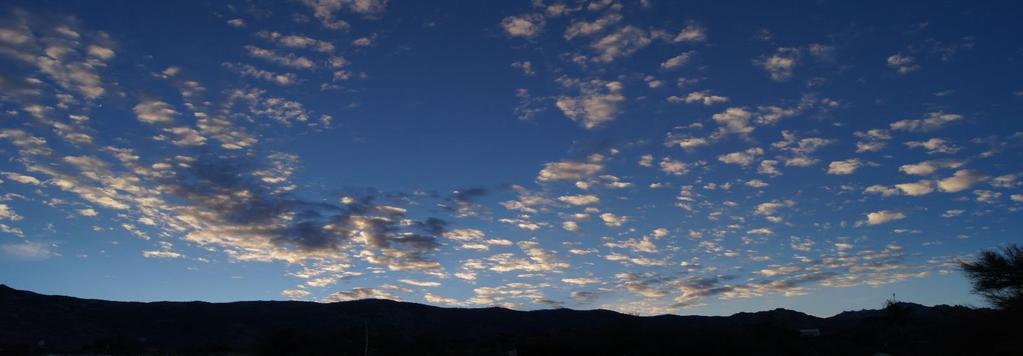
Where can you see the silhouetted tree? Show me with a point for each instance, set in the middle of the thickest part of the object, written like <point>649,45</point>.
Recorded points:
<point>896,312</point>
<point>998,276</point>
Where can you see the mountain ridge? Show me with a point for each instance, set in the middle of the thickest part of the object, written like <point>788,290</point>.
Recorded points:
<point>35,323</point>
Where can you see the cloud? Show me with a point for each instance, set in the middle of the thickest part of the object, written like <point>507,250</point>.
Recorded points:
<point>844,167</point>
<point>21,178</point>
<point>297,41</point>
<point>756,183</point>
<point>527,26</point>
<point>596,105</point>
<point>360,293</point>
<point>571,226</point>
<point>742,158</point>
<point>287,60</point>
<point>613,220</point>
<point>961,180</point>
<point>691,33</point>
<point>932,121</point>
<point>580,281</point>
<point>155,112</point>
<point>250,71</point>
<point>568,170</point>
<point>525,66</point>
<point>801,148</point>
<point>673,167</point>
<point>734,120</point>
<point>884,216</point>
<point>781,64</point>
<point>769,167</point>
<point>579,199</point>
<point>987,196</point>
<point>325,10</point>
<point>420,283</point>
<point>589,28</point>
<point>704,97</point>
<point>902,64</point>
<point>29,250</point>
<point>539,260</point>
<point>677,61</point>
<point>928,167</point>
<point>919,188</point>
<point>934,145</point>
<point>6,213</point>
<point>621,43</point>
<point>872,140</point>
<point>161,254</point>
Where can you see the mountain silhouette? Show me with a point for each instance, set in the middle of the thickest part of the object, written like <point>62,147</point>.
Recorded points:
<point>32,323</point>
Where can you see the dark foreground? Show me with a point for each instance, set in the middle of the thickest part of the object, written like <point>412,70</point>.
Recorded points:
<point>32,323</point>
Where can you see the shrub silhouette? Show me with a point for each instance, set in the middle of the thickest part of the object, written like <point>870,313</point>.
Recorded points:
<point>998,276</point>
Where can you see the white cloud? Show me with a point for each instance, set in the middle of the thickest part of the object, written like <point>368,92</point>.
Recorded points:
<point>527,26</point>
<point>161,254</point>
<point>902,63</point>
<point>934,145</point>
<point>325,10</point>
<point>919,188</point>
<point>247,70</point>
<point>21,178</point>
<point>360,293</point>
<point>588,28</point>
<point>734,121</point>
<point>987,196</point>
<point>155,111</point>
<point>961,180</point>
<point>418,283</point>
<point>884,216</point>
<point>580,281</point>
<point>769,167</point>
<point>622,43</point>
<point>742,158</point>
<point>579,199</point>
<point>883,190</point>
<point>525,66</point>
<point>951,213</point>
<point>613,220</point>
<point>674,167</point>
<point>932,121</point>
<point>568,170</point>
<point>691,33</point>
<point>465,234</point>
<point>844,167</point>
<point>872,140</point>
<point>570,226</point>
<point>287,60</point>
<point>6,213</point>
<point>781,64</point>
<point>29,250</point>
<point>596,105</point>
<point>756,183</point>
<point>677,61</point>
<point>928,167</point>
<point>704,97</point>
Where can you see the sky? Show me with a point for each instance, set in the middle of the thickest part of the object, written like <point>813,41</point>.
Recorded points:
<point>647,157</point>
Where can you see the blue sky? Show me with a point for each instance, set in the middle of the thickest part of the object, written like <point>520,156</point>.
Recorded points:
<point>642,156</point>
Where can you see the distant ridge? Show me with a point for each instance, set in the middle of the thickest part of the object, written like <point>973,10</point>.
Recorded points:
<point>32,323</point>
